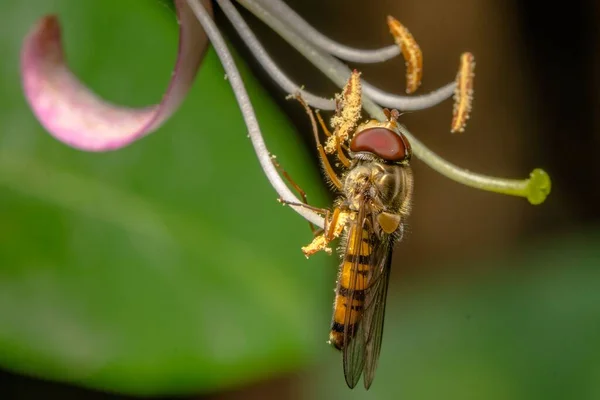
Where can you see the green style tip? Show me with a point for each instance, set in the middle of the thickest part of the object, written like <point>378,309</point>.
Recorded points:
<point>538,186</point>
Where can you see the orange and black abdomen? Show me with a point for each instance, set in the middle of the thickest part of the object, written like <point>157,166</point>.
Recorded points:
<point>351,285</point>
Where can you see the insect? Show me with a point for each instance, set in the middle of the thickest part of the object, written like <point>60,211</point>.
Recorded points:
<point>375,190</point>
<point>374,201</point>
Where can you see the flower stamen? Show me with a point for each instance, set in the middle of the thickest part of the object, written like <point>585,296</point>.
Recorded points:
<point>413,56</point>
<point>463,96</point>
<point>347,115</point>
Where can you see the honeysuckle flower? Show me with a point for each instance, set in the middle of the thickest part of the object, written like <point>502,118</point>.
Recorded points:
<point>76,116</point>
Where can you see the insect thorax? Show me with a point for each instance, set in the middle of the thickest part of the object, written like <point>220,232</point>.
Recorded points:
<point>383,186</point>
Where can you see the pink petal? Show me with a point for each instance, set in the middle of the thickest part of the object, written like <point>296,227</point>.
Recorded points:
<point>78,117</point>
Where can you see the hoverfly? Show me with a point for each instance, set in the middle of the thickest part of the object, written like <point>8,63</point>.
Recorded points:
<point>375,190</point>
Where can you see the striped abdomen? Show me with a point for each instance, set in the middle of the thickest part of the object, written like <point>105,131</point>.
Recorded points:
<point>351,285</point>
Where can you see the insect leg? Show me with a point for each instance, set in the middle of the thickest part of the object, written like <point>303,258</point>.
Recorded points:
<point>333,228</point>
<point>340,153</point>
<point>322,123</point>
<point>330,225</point>
<point>297,187</point>
<point>341,156</point>
<point>324,161</point>
<point>331,222</point>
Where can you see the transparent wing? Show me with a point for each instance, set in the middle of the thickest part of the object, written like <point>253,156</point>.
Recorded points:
<point>374,312</point>
<point>354,345</point>
<point>363,341</point>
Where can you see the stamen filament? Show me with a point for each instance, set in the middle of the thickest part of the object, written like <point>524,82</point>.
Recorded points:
<point>284,13</point>
<point>248,114</point>
<point>409,103</point>
<point>267,62</point>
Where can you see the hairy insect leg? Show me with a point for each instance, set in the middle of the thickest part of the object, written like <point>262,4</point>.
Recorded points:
<point>287,176</point>
<point>340,153</point>
<point>324,161</point>
<point>334,225</point>
<point>341,156</point>
<point>298,189</point>
<point>323,125</point>
<point>331,223</point>
<point>322,211</point>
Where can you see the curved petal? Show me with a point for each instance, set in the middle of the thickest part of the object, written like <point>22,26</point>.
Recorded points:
<point>74,114</point>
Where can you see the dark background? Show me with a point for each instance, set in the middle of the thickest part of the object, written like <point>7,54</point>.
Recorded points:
<point>537,92</point>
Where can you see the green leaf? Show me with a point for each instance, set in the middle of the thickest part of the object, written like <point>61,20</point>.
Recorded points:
<point>164,267</point>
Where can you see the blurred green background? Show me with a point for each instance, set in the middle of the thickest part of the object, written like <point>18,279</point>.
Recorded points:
<point>168,268</point>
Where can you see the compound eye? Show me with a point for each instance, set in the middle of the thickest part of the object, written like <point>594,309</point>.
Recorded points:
<point>383,142</point>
